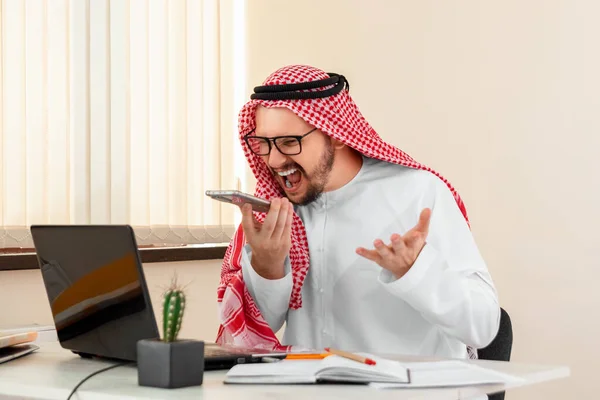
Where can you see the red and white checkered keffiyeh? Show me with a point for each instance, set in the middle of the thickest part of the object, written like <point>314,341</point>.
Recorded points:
<point>337,116</point>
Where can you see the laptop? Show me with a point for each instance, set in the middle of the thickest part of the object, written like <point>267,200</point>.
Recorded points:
<point>98,295</point>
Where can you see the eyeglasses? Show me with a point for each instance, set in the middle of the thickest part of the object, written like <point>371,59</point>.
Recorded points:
<point>290,145</point>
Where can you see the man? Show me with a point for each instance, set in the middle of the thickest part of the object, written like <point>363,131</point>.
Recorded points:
<point>363,249</point>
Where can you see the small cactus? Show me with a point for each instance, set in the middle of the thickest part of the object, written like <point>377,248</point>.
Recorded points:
<point>173,308</point>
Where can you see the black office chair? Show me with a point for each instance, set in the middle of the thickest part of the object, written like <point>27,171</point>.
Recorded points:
<point>500,348</point>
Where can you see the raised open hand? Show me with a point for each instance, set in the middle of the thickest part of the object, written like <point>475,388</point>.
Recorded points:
<point>401,253</point>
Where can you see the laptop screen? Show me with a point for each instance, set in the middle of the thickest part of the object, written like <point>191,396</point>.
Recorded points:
<point>96,289</point>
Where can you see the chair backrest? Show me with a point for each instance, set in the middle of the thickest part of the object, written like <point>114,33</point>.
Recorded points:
<point>500,348</point>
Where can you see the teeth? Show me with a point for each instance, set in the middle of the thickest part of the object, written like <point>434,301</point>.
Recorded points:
<point>288,184</point>
<point>286,173</point>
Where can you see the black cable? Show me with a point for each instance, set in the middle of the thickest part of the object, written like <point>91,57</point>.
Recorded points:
<point>96,373</point>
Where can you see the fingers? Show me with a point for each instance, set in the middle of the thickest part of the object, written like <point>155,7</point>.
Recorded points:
<point>400,254</point>
<point>247,220</point>
<point>381,255</point>
<point>282,218</point>
<point>271,219</point>
<point>277,223</point>
<point>372,255</point>
<point>398,245</point>
<point>386,253</point>
<point>287,230</point>
<point>424,219</point>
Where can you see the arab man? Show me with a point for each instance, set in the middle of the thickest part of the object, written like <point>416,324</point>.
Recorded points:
<point>363,248</point>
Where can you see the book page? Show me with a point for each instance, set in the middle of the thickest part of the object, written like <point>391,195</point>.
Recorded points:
<point>384,370</point>
<point>285,371</point>
<point>449,374</point>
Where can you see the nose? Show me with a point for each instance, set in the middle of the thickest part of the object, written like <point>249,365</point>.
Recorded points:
<point>276,159</point>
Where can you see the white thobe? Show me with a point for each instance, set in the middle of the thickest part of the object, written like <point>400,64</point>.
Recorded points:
<point>446,301</point>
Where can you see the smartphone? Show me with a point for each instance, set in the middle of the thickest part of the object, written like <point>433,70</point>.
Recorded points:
<point>238,198</point>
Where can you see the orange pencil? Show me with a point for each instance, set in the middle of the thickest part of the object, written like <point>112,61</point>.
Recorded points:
<point>351,356</point>
<point>306,356</point>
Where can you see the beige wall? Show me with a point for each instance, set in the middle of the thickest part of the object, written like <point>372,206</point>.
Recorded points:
<point>502,98</point>
<point>25,291</point>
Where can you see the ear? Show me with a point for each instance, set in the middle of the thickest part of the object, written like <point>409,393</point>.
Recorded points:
<point>337,144</point>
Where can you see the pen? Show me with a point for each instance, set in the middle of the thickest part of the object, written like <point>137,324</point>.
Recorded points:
<point>351,356</point>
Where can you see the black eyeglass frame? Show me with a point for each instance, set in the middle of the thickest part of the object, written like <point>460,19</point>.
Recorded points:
<point>273,141</point>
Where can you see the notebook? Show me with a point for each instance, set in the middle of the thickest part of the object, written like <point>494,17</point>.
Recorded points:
<point>16,345</point>
<point>386,374</point>
<point>45,333</point>
<point>20,350</point>
<point>330,369</point>
<point>7,340</point>
<point>449,373</point>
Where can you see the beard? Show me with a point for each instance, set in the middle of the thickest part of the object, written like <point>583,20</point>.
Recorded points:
<point>318,179</point>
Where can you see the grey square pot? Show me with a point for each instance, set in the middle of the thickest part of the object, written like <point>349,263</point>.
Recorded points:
<point>170,365</point>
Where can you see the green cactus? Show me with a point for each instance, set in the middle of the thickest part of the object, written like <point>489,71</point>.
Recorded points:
<point>173,308</point>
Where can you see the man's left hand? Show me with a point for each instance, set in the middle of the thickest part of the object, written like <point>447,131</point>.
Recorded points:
<point>401,254</point>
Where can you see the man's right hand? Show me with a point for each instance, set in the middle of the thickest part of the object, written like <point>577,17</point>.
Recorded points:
<point>270,241</point>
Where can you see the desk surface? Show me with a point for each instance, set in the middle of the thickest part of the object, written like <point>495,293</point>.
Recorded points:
<point>52,372</point>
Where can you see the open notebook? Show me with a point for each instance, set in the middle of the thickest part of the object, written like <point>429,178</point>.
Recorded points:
<point>16,345</point>
<point>330,369</point>
<point>13,339</point>
<point>386,374</point>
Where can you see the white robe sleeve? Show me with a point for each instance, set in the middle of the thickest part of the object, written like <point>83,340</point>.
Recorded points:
<point>449,283</point>
<point>272,296</point>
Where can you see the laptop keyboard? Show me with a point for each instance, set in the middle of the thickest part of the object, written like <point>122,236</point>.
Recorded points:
<point>216,350</point>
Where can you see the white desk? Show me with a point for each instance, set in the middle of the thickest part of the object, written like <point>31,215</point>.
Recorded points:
<point>52,372</point>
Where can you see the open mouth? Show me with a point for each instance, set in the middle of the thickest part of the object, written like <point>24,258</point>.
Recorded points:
<point>291,179</point>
